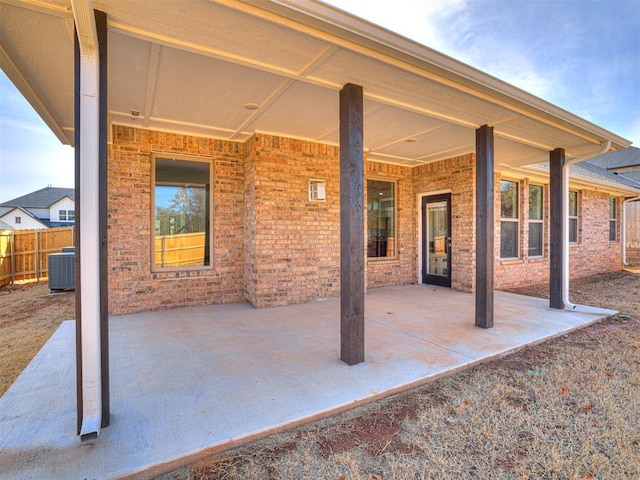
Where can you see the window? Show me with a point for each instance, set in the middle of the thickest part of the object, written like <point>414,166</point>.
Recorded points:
<point>67,215</point>
<point>381,219</point>
<point>509,219</point>
<point>182,213</point>
<point>317,190</point>
<point>18,220</point>
<point>536,237</point>
<point>613,216</point>
<point>573,217</point>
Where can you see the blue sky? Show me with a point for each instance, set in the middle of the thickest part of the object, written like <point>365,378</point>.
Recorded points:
<point>582,55</point>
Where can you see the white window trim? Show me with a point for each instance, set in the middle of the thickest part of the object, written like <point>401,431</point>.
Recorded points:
<point>613,220</point>
<point>317,190</point>
<point>152,236</point>
<point>541,221</point>
<point>395,219</point>
<point>576,218</point>
<point>512,220</point>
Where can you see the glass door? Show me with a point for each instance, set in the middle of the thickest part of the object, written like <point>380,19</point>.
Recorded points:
<point>436,240</point>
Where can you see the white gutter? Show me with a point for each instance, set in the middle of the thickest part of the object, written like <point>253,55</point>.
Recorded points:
<point>565,218</point>
<point>624,229</point>
<point>89,234</point>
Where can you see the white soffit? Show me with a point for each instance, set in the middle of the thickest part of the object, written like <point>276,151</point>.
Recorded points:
<point>36,52</point>
<point>189,67</point>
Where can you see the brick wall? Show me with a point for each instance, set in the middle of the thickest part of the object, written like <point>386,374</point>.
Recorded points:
<point>132,285</point>
<point>457,175</point>
<point>273,246</point>
<point>593,253</point>
<point>294,252</point>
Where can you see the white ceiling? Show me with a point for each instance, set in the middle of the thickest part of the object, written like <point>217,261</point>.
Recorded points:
<point>191,66</point>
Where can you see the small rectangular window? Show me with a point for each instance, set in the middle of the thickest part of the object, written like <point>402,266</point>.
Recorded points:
<point>181,220</point>
<point>613,219</point>
<point>381,219</point>
<point>573,217</point>
<point>536,224</point>
<point>18,220</point>
<point>317,190</point>
<point>71,215</point>
<point>509,219</point>
<point>63,215</point>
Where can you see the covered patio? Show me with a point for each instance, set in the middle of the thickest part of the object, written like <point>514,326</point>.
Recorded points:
<point>194,380</point>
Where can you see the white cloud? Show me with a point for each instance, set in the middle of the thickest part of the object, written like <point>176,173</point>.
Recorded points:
<point>581,56</point>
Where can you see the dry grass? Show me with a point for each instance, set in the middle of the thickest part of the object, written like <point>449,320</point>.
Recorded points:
<point>28,318</point>
<point>565,409</point>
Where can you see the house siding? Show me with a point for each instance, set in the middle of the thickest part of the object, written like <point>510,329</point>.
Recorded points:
<point>64,204</point>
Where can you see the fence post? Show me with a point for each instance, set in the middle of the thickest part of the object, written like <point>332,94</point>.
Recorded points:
<point>163,250</point>
<point>37,255</point>
<point>12,241</point>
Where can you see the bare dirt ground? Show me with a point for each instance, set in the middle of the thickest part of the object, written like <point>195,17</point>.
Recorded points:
<point>28,317</point>
<point>565,409</point>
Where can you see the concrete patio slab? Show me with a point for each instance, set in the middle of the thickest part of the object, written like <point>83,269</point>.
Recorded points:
<point>197,379</point>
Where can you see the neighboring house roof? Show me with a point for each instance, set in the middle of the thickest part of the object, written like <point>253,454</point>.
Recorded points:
<point>588,169</point>
<point>625,164</point>
<point>629,157</point>
<point>44,222</point>
<point>42,198</point>
<point>595,175</point>
<point>5,226</point>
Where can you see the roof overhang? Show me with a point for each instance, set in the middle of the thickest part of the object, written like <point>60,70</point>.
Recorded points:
<point>227,69</point>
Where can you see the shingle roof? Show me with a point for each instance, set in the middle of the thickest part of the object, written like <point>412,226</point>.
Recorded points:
<point>42,198</point>
<point>629,157</point>
<point>595,173</point>
<point>588,169</point>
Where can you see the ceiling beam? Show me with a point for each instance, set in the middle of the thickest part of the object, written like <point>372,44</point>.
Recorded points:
<point>311,65</point>
<point>152,81</point>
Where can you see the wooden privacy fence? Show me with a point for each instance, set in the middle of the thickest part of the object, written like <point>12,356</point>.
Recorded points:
<point>633,225</point>
<point>24,253</point>
<point>180,250</point>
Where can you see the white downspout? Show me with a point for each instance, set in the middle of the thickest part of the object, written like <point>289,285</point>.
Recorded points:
<point>624,229</point>
<point>565,218</point>
<point>89,218</point>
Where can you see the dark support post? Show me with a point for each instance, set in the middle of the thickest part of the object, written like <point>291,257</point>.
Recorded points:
<point>101,28</point>
<point>484,227</point>
<point>351,225</point>
<point>556,222</point>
